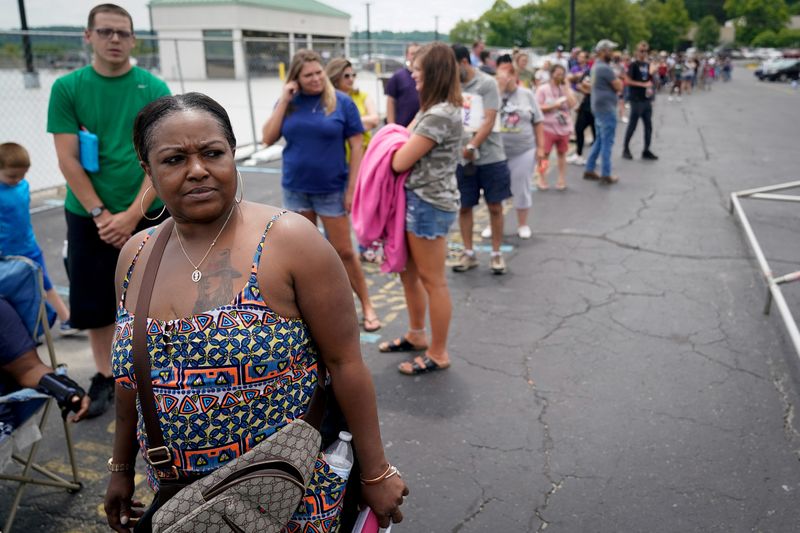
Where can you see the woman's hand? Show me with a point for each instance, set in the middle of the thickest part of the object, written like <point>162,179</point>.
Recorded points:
<point>385,499</point>
<point>289,90</point>
<point>121,512</point>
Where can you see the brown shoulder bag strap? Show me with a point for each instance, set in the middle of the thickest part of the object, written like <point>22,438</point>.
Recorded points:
<point>161,456</point>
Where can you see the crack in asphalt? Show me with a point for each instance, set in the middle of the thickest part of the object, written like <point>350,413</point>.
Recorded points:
<point>484,501</point>
<point>637,248</point>
<point>789,429</point>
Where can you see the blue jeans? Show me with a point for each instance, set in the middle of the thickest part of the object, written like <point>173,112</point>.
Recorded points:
<point>606,126</point>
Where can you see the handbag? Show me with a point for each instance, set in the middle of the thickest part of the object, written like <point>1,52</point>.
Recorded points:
<point>259,490</point>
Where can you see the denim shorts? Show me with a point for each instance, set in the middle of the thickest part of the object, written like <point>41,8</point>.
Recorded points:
<point>494,179</point>
<point>325,204</point>
<point>425,220</point>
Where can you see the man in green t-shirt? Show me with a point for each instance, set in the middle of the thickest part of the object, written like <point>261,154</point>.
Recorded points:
<point>105,206</point>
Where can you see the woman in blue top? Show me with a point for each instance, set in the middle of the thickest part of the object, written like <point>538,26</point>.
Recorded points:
<point>316,121</point>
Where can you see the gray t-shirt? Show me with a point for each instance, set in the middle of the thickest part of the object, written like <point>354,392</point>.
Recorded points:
<point>604,97</point>
<point>433,177</point>
<point>483,85</point>
<point>519,111</point>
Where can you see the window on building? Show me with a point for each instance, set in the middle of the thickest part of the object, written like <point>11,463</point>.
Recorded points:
<point>328,47</point>
<point>266,51</point>
<point>218,45</point>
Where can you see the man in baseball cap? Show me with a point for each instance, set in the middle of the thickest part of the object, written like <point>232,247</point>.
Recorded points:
<point>605,88</point>
<point>605,44</point>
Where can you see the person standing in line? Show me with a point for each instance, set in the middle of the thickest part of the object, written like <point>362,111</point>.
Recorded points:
<point>104,206</point>
<point>584,119</point>
<point>639,79</point>
<point>340,71</point>
<point>475,55</point>
<point>606,87</point>
<point>316,120</point>
<point>579,76</point>
<point>402,99</point>
<point>483,167</point>
<point>556,101</point>
<point>524,74</point>
<point>432,201</point>
<point>522,132</point>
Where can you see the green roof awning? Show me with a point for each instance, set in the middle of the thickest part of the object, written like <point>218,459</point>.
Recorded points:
<point>311,7</point>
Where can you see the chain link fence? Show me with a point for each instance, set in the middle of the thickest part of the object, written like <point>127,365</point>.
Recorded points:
<point>244,75</point>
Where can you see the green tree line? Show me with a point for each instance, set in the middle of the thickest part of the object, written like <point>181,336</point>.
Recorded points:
<point>664,23</point>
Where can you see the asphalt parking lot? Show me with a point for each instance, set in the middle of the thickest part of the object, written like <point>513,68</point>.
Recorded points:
<point>621,376</point>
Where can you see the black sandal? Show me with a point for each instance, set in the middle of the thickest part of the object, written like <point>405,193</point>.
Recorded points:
<point>400,344</point>
<point>422,365</point>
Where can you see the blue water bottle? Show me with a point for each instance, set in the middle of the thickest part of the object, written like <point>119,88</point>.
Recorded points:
<point>89,150</point>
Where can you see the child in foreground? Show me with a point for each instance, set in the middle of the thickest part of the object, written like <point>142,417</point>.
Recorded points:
<point>16,230</point>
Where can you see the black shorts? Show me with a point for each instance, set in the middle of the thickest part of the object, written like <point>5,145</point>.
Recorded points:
<point>91,264</point>
<point>493,179</point>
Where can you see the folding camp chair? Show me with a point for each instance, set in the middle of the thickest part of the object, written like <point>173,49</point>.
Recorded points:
<point>22,285</point>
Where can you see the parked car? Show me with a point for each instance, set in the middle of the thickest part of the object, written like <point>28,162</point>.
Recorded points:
<point>779,70</point>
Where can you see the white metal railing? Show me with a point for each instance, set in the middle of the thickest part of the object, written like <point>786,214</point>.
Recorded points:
<point>774,292</point>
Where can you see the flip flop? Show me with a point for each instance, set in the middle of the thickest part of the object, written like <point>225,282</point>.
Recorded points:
<point>542,187</point>
<point>421,365</point>
<point>400,344</point>
<point>562,187</point>
<point>374,324</point>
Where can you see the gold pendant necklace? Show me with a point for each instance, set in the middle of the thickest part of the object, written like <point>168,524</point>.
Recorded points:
<point>196,274</point>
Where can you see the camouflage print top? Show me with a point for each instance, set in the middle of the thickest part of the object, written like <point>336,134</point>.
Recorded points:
<point>433,177</point>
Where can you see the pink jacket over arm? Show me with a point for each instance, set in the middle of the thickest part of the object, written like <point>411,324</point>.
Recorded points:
<point>379,202</point>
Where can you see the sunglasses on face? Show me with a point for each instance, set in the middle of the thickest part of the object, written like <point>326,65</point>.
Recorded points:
<point>349,76</point>
<point>108,33</point>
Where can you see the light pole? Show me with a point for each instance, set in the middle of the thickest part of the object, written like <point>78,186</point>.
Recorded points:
<point>436,30</point>
<point>369,35</point>
<point>571,24</point>
<point>31,77</point>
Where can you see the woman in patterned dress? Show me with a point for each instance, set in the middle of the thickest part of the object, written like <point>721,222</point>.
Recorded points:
<point>246,300</point>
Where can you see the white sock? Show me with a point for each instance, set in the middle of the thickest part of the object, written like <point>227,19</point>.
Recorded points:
<point>497,253</point>
<point>470,253</point>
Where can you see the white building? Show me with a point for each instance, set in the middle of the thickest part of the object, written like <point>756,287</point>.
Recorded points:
<point>200,39</point>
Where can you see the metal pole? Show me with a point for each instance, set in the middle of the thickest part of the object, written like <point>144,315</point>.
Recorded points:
<point>178,63</point>
<point>369,35</point>
<point>26,39</point>
<point>436,30</point>
<point>571,24</point>
<point>249,95</point>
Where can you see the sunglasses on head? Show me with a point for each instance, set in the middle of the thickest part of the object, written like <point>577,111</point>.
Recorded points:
<point>108,33</point>
<point>348,76</point>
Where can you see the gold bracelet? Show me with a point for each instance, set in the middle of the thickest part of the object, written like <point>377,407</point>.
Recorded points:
<point>389,472</point>
<point>118,467</point>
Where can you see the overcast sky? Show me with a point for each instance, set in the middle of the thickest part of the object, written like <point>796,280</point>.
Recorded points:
<point>395,15</point>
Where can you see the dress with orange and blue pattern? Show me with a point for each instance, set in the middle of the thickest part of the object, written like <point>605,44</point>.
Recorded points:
<point>224,380</point>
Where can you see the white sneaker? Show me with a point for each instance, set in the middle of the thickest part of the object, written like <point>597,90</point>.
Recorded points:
<point>669,98</point>
<point>487,232</point>
<point>572,157</point>
<point>579,161</point>
<point>524,232</point>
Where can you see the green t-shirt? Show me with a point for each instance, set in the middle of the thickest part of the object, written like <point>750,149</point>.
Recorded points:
<point>106,107</point>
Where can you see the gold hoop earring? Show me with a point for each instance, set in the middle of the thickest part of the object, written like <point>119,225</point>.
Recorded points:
<point>141,206</point>
<point>241,187</point>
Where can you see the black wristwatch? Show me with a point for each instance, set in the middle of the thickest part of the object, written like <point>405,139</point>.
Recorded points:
<point>97,211</point>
